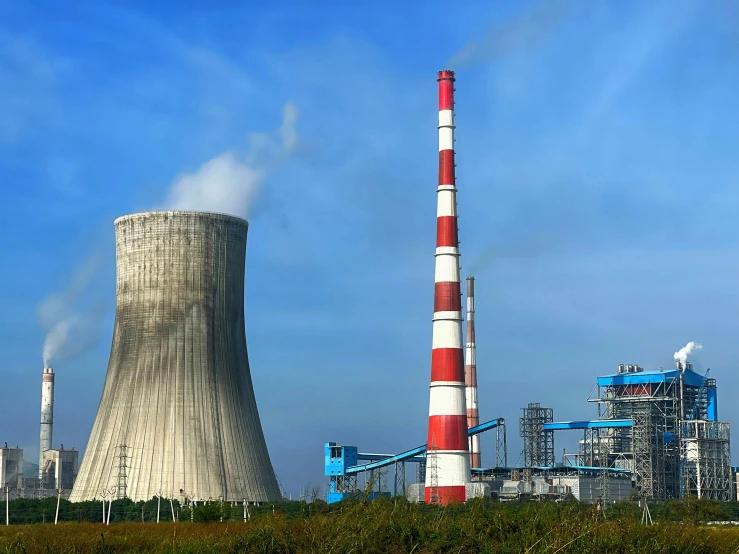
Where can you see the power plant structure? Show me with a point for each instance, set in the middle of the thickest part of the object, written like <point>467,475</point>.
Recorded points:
<point>47,416</point>
<point>658,431</point>
<point>11,469</point>
<point>657,435</point>
<point>443,463</point>
<point>538,442</point>
<point>470,376</point>
<point>57,468</point>
<point>178,415</point>
<point>675,444</point>
<point>448,458</point>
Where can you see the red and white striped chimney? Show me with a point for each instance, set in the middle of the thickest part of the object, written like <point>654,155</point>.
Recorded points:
<point>448,473</point>
<point>470,376</point>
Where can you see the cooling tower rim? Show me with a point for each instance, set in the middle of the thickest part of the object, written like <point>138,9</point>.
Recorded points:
<point>174,213</point>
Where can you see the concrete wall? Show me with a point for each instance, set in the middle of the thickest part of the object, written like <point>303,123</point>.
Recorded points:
<point>60,469</point>
<point>588,489</point>
<point>178,391</point>
<point>11,467</point>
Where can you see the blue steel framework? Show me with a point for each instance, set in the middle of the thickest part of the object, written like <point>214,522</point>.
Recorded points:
<point>592,447</point>
<point>663,425</point>
<point>593,451</point>
<point>342,467</point>
<point>657,402</point>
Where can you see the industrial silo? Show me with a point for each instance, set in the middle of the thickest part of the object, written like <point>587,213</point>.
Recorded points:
<point>178,415</point>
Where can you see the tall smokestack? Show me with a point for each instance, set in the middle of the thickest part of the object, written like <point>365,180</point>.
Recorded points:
<point>470,376</point>
<point>47,416</point>
<point>449,469</point>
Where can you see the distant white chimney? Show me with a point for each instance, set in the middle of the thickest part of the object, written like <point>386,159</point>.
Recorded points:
<point>47,416</point>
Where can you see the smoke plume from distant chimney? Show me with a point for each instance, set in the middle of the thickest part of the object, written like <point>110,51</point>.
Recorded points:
<point>71,320</point>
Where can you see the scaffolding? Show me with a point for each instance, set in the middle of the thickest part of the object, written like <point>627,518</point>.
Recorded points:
<point>707,454</point>
<point>651,444</point>
<point>659,445</point>
<point>538,443</point>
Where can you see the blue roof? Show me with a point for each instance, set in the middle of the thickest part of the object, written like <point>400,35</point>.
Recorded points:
<point>597,424</point>
<point>692,378</point>
<point>584,468</point>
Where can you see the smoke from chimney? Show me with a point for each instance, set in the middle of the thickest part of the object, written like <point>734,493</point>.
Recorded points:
<point>71,320</point>
<point>682,354</point>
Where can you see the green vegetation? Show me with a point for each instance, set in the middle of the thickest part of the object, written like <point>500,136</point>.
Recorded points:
<point>385,525</point>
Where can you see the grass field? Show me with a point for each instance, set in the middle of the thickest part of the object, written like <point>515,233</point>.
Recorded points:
<point>396,526</point>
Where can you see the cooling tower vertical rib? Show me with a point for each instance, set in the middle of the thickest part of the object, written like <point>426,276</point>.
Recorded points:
<point>178,391</point>
<point>470,374</point>
<point>447,430</point>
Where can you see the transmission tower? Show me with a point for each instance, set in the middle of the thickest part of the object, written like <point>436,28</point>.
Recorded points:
<point>433,470</point>
<point>122,483</point>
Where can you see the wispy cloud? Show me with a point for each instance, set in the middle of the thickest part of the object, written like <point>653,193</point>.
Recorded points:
<point>502,38</point>
<point>650,35</point>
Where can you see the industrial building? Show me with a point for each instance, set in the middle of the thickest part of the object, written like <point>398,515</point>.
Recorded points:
<point>538,442</point>
<point>661,427</point>
<point>657,435</point>
<point>556,483</point>
<point>57,468</point>
<point>11,470</point>
<point>675,444</point>
<point>178,415</point>
<point>60,470</point>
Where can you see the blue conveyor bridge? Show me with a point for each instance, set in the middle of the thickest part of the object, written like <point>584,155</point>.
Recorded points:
<point>344,464</point>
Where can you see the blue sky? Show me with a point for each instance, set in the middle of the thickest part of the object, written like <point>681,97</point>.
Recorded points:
<point>597,169</point>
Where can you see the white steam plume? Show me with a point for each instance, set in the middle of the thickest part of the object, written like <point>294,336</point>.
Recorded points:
<point>682,354</point>
<point>71,327</point>
<point>230,182</point>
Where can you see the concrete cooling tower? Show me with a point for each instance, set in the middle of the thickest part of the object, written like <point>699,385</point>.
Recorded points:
<point>178,416</point>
